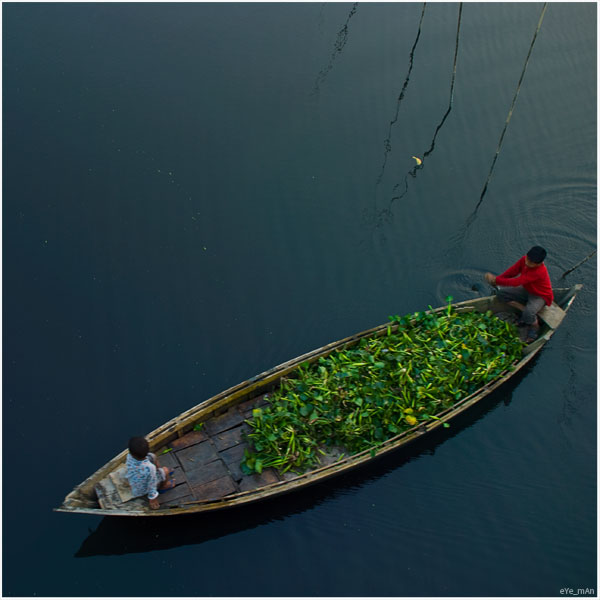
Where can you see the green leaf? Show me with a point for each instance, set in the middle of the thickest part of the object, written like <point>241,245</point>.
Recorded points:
<point>246,470</point>
<point>417,358</point>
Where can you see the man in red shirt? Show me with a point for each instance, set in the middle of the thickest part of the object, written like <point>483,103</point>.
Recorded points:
<point>526,286</point>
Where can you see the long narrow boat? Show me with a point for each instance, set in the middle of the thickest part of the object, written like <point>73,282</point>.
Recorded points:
<point>205,445</point>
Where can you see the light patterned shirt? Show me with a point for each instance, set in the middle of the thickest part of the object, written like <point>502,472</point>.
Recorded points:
<point>142,477</point>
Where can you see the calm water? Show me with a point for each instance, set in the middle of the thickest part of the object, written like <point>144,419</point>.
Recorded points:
<point>194,193</point>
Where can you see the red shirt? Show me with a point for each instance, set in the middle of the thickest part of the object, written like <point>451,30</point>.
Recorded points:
<point>535,280</point>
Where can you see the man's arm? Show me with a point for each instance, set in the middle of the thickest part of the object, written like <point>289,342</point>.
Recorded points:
<point>514,270</point>
<point>490,278</point>
<point>516,281</point>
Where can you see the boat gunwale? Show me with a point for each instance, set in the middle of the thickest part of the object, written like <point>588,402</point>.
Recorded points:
<point>228,397</point>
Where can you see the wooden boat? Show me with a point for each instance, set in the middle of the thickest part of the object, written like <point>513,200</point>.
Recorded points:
<point>207,461</point>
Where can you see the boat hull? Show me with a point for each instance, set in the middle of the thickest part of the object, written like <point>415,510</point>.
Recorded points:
<point>83,499</point>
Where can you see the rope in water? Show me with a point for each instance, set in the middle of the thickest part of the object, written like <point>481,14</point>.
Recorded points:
<point>387,143</point>
<point>426,154</point>
<point>578,264</point>
<point>512,106</point>
<point>413,171</point>
<point>460,7</point>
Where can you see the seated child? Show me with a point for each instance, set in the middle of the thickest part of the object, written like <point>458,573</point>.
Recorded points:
<point>144,473</point>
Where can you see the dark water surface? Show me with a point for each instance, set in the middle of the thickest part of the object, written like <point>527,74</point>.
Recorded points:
<point>194,193</point>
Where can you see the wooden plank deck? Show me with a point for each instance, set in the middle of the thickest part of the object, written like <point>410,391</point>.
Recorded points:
<point>206,463</point>
<point>231,438</point>
<point>232,457</point>
<point>552,315</point>
<point>229,419</point>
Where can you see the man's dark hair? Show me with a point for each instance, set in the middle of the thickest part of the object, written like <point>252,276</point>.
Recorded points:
<point>138,446</point>
<point>537,254</point>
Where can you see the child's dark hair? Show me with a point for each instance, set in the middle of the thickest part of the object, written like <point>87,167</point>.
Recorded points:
<point>537,254</point>
<point>138,446</point>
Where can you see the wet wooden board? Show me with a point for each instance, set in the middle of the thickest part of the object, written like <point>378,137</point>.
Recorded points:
<point>214,489</point>
<point>232,457</point>
<point>167,460</point>
<point>189,439</point>
<point>552,315</point>
<point>205,473</point>
<point>227,420</point>
<point>178,474</point>
<point>251,482</point>
<point>248,406</point>
<point>229,438</point>
<point>177,493</point>
<point>195,456</point>
<point>179,501</point>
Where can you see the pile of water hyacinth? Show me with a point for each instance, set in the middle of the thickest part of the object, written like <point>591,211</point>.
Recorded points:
<point>357,397</point>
